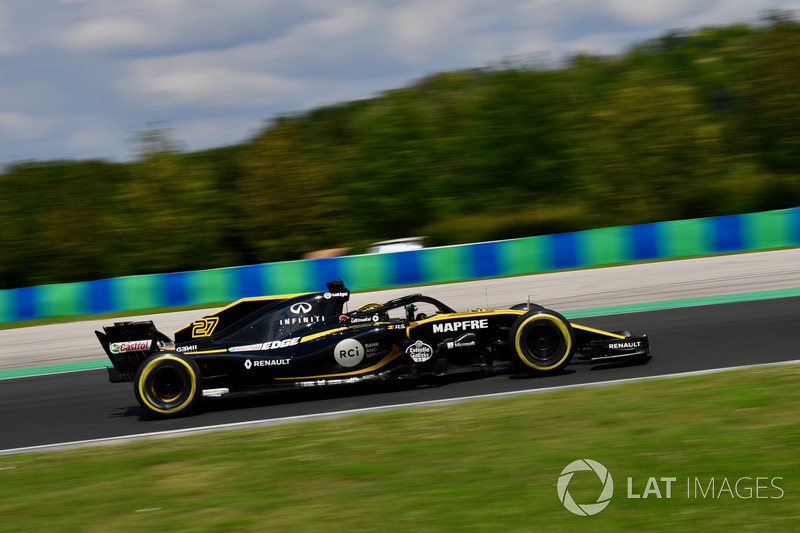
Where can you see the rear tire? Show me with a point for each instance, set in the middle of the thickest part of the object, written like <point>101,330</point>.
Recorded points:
<point>542,342</point>
<point>167,384</point>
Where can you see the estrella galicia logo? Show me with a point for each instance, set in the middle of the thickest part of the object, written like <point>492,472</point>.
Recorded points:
<point>586,509</point>
<point>300,308</point>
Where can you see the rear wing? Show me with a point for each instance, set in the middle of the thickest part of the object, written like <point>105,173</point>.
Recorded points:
<point>129,343</point>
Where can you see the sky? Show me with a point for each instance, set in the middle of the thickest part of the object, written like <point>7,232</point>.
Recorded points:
<point>80,77</point>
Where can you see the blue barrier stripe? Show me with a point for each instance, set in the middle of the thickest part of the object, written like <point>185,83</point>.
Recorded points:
<point>249,282</point>
<point>406,268</point>
<point>727,233</point>
<point>565,253</point>
<point>325,270</point>
<point>795,225</point>
<point>645,241</point>
<point>25,298</point>
<point>175,287</point>
<point>484,260</point>
<point>100,297</point>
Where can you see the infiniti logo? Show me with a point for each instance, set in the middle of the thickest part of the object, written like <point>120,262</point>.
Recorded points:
<point>300,308</point>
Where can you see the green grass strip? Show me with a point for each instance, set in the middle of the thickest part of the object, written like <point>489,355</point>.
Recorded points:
<point>481,466</point>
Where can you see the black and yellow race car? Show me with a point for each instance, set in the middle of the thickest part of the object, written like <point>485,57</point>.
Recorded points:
<point>308,340</point>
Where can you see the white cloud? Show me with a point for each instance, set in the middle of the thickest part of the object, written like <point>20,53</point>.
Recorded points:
<point>100,33</point>
<point>92,132</point>
<point>172,81</point>
<point>21,126</point>
<point>6,46</point>
<point>215,132</point>
<point>648,12</point>
<point>131,25</point>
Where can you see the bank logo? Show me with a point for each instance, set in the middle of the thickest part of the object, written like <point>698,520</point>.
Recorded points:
<point>586,509</point>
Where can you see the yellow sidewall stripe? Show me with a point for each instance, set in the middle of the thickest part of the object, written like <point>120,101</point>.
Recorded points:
<point>150,367</point>
<point>561,326</point>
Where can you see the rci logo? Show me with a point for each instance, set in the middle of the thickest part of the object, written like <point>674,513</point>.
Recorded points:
<point>587,509</point>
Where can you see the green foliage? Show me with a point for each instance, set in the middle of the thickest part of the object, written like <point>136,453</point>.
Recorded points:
<point>690,124</point>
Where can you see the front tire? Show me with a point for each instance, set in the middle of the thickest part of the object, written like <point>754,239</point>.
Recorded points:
<point>167,384</point>
<point>542,342</point>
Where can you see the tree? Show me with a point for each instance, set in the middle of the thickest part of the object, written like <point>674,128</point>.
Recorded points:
<point>650,147</point>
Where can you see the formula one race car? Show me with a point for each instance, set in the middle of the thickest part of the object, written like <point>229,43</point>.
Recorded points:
<point>307,340</point>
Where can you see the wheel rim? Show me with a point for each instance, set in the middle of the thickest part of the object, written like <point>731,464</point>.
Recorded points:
<point>543,342</point>
<point>167,384</point>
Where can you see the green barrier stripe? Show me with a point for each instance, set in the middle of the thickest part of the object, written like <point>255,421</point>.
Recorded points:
<point>367,272</point>
<point>522,256</point>
<point>289,277</point>
<point>7,313</point>
<point>604,246</point>
<point>216,285</point>
<point>138,292</point>
<point>63,299</point>
<point>767,230</point>
<point>448,263</point>
<point>683,238</point>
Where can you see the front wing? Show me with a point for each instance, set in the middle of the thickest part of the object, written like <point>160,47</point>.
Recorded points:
<point>628,348</point>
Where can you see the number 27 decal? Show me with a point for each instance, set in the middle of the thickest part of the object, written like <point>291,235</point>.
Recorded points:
<point>204,327</point>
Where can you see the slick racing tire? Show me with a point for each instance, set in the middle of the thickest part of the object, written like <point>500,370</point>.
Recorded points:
<point>167,384</point>
<point>542,342</point>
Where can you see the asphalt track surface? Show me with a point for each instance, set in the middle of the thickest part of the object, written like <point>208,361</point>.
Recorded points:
<point>80,406</point>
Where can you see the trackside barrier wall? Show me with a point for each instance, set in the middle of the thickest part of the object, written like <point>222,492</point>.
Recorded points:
<point>659,240</point>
